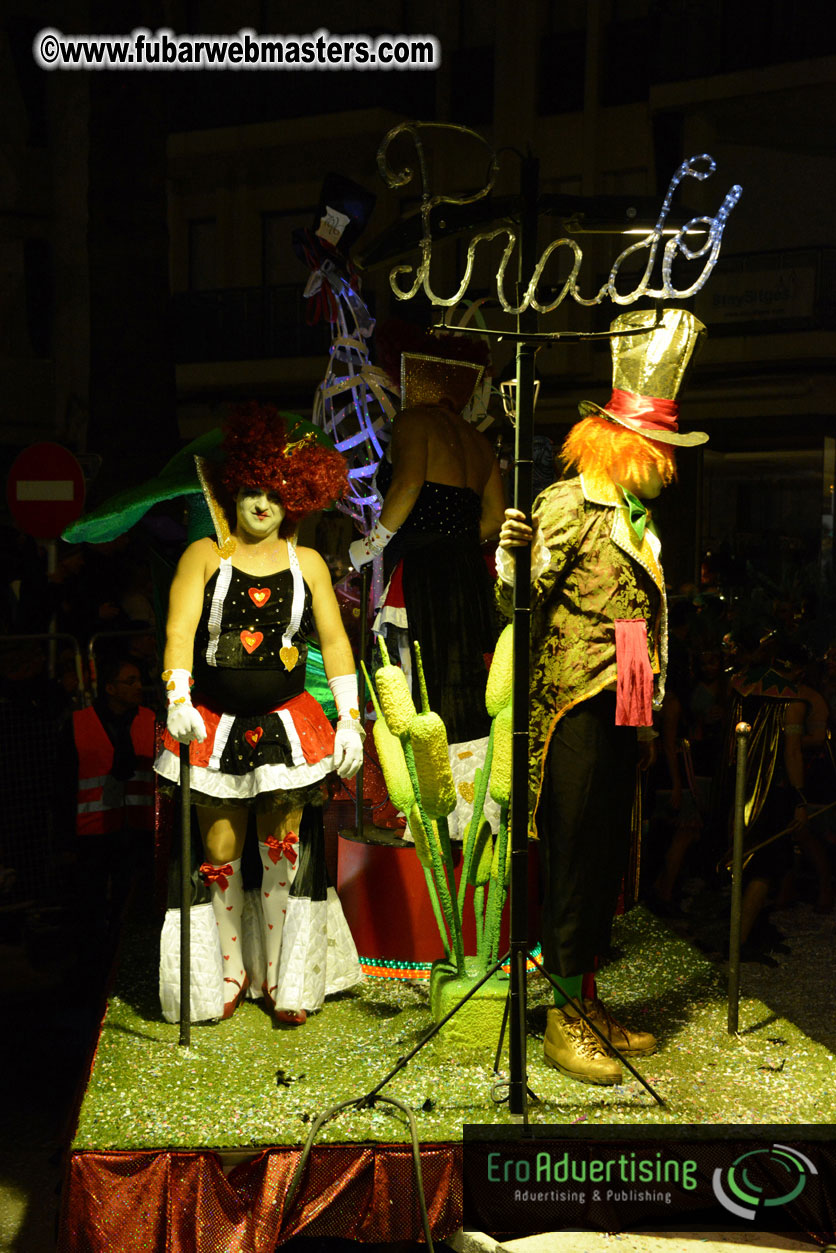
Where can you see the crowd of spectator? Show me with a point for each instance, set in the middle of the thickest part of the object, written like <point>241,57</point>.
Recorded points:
<point>61,631</point>
<point>98,601</point>
<point>719,645</point>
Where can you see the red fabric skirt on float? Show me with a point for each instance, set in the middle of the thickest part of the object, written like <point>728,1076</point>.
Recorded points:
<point>158,1199</point>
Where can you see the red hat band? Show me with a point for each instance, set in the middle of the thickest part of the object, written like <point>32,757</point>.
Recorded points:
<point>649,413</point>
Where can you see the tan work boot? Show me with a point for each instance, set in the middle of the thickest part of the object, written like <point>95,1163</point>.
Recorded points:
<point>630,1043</point>
<point>573,1047</point>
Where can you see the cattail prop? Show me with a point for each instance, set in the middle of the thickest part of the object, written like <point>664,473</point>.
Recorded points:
<point>394,695</point>
<point>432,840</point>
<point>390,753</point>
<point>391,756</point>
<point>481,850</point>
<point>500,784</point>
<point>428,737</point>
<point>428,741</point>
<point>414,755</point>
<point>501,674</point>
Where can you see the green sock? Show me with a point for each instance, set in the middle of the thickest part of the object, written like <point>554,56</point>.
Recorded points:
<point>567,987</point>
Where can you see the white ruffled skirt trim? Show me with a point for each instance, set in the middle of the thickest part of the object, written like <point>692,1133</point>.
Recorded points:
<point>266,778</point>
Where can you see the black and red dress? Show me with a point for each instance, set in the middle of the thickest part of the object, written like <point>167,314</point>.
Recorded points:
<point>268,745</point>
<point>268,741</point>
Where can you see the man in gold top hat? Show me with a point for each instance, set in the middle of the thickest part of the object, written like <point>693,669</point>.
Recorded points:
<point>598,656</point>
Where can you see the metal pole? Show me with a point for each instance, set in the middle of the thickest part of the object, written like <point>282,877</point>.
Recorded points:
<point>185,897</point>
<point>742,732</point>
<point>362,660</point>
<point>51,565</point>
<point>529,181</point>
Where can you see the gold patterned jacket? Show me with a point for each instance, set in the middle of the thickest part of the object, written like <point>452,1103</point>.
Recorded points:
<point>599,571</point>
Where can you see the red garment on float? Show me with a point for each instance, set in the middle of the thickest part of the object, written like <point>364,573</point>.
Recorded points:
<point>156,1200</point>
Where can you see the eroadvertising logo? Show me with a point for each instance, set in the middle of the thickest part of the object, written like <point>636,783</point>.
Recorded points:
<point>711,1179</point>
<point>745,1195</point>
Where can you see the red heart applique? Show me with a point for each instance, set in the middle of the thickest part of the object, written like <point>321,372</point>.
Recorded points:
<point>270,925</point>
<point>226,957</point>
<point>259,595</point>
<point>251,640</point>
<point>252,737</point>
<point>229,909</point>
<point>283,883</point>
<point>234,938</point>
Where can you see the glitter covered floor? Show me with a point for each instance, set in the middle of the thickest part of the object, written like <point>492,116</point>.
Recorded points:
<point>245,1083</point>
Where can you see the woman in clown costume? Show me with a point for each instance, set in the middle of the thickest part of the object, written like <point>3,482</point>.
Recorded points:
<point>240,614</point>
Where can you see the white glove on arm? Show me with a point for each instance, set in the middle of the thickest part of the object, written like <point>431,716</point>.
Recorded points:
<point>540,560</point>
<point>364,550</point>
<point>183,721</point>
<point>348,741</point>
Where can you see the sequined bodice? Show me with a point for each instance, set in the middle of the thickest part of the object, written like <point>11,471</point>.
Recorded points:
<point>256,613</point>
<point>440,509</point>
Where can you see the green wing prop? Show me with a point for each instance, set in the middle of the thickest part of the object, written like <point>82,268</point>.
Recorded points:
<point>178,478</point>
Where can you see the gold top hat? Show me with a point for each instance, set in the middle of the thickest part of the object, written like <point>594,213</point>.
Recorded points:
<point>429,380</point>
<point>649,368</point>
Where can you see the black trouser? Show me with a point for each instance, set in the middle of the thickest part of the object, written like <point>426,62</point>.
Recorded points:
<point>583,821</point>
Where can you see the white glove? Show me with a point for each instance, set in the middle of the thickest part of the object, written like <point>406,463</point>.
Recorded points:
<point>348,742</point>
<point>364,550</point>
<point>348,749</point>
<point>183,721</point>
<point>540,560</point>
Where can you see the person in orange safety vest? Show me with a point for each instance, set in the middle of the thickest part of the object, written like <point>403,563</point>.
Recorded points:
<point>114,748</point>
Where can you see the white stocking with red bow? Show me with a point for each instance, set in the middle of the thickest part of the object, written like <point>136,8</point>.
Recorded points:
<point>279,860</point>
<point>226,892</point>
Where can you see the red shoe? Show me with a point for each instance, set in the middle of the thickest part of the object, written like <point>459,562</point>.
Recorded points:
<point>293,1017</point>
<point>231,1006</point>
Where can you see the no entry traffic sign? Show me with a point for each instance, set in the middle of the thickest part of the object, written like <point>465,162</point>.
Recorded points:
<point>45,490</point>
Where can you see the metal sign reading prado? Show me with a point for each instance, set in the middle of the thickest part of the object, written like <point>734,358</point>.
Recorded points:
<point>706,247</point>
<point>735,1178</point>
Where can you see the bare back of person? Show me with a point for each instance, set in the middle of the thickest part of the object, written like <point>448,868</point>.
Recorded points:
<point>457,454</point>
<point>434,444</point>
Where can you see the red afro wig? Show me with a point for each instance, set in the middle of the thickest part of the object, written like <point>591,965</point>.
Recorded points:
<point>596,446</point>
<point>396,337</point>
<point>304,473</point>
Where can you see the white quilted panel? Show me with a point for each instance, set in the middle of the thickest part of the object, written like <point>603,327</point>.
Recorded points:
<point>318,957</point>
<point>343,967</point>
<point>206,998</point>
<point>295,990</point>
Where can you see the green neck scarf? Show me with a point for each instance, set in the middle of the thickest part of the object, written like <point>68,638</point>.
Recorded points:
<point>639,514</point>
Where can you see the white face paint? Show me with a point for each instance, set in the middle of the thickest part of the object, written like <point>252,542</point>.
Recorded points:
<point>259,513</point>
